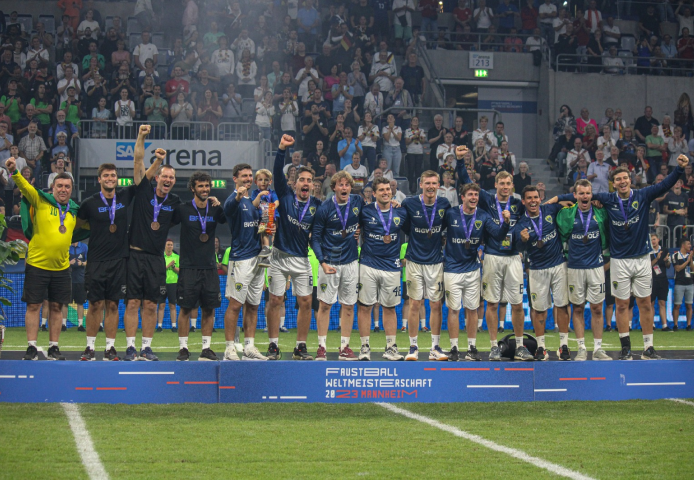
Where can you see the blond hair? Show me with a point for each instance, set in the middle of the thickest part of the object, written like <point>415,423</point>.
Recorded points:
<point>263,171</point>
<point>502,175</point>
<point>335,179</point>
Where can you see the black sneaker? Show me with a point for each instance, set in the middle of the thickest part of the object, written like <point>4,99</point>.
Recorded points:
<point>183,355</point>
<point>44,328</point>
<point>191,329</point>
<point>63,328</point>
<point>564,353</point>
<point>501,330</point>
<point>675,327</point>
<point>472,355</point>
<point>174,329</point>
<point>54,353</point>
<point>453,355</point>
<point>101,328</point>
<point>377,329</point>
<point>111,355</point>
<point>666,329</point>
<point>650,354</point>
<point>608,328</point>
<point>207,355</point>
<point>32,353</point>
<point>273,352</point>
<point>214,330</point>
<point>541,355</point>
<point>159,329</point>
<point>625,354</point>
<point>87,355</point>
<point>300,353</point>
<point>81,329</point>
<point>689,328</point>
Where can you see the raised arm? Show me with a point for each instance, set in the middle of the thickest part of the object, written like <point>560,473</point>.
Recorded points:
<point>281,186</point>
<point>139,154</point>
<point>25,187</point>
<point>658,189</point>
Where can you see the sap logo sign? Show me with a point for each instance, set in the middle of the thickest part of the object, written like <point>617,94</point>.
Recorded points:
<point>125,150</point>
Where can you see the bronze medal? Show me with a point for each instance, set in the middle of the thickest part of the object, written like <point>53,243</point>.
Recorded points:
<point>467,244</point>
<point>204,237</point>
<point>344,233</point>
<point>62,229</point>
<point>585,238</point>
<point>155,226</point>
<point>386,239</point>
<point>540,244</point>
<point>113,228</point>
<point>429,234</point>
<point>626,226</point>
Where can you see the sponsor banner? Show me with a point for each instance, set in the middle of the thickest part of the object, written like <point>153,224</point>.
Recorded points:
<point>180,154</point>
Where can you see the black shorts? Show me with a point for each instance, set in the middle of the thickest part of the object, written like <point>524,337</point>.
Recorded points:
<point>79,294</point>
<point>171,289</point>
<point>660,290</point>
<point>40,285</point>
<point>315,303</point>
<point>198,287</point>
<point>146,276</point>
<point>609,298</point>
<point>106,280</point>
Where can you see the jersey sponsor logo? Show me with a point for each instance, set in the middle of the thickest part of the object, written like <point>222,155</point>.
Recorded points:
<point>614,285</point>
<point>252,224</point>
<point>194,218</point>
<point>632,221</point>
<point>441,212</point>
<point>461,241</point>
<point>547,237</point>
<point>591,235</point>
<point>125,150</point>
<point>294,221</point>
<point>351,229</point>
<point>548,219</point>
<point>238,286</point>
<point>426,230</point>
<point>396,221</point>
<point>323,287</point>
<point>355,211</point>
<point>571,288</point>
<point>635,204</point>
<point>106,209</point>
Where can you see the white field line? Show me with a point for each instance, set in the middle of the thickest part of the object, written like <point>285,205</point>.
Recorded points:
<point>679,400</point>
<point>85,446</point>
<point>519,454</point>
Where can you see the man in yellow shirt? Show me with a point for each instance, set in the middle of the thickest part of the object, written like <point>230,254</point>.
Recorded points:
<point>50,221</point>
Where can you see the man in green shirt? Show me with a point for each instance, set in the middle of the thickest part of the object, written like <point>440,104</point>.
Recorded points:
<point>72,107</point>
<point>655,148</point>
<point>157,109</point>
<point>171,260</point>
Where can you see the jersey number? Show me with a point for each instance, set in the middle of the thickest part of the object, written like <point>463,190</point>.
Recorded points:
<point>397,291</point>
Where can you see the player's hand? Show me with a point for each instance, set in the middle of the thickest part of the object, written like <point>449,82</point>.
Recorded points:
<point>525,236</point>
<point>160,153</point>
<point>507,216</point>
<point>683,160</point>
<point>327,269</point>
<point>144,130</point>
<point>395,203</point>
<point>566,204</point>
<point>660,253</point>
<point>357,233</point>
<point>215,201</point>
<point>240,193</point>
<point>263,193</point>
<point>597,204</point>
<point>461,151</point>
<point>11,165</point>
<point>72,262</point>
<point>171,264</point>
<point>287,141</point>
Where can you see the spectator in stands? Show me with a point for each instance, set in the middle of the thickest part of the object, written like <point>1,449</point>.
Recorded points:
<point>93,53</point>
<point>209,111</point>
<point>332,78</point>
<point>643,125</point>
<point>392,134</point>
<point>288,112</point>
<point>314,129</point>
<point>146,90</point>
<point>521,179</point>
<point>264,111</point>
<point>611,33</point>
<point>32,148</point>
<point>683,115</point>
<point>65,33</point>
<point>7,66</point>
<point>590,140</point>
<point>347,147</point>
<point>190,17</point>
<point>202,83</point>
<point>414,162</point>
<point>61,126</point>
<point>352,118</point>
<point>176,85</point>
<point>446,148</point>
<point>685,48</point>
<point>412,75</point>
<point>109,47</point>
<point>145,50</point>
<point>512,43</point>
<point>125,112</point>
<point>402,21</point>
<point>529,18</point>
<point>22,127</point>
<point>67,61</point>
<point>100,118</point>
<point>275,76</point>
<point>482,17</point>
<point>656,147</point>
<point>6,142</point>
<point>574,155</point>
<point>223,59</point>
<point>144,13</point>
<point>325,61</point>
<point>358,172</point>
<point>489,169</point>
<point>285,82</point>
<point>429,10</point>
<point>243,42</point>
<point>156,109</point>
<point>71,8</point>
<point>605,141</point>
<point>304,75</point>
<point>308,21</point>
<point>368,135</point>
<point>595,51</point>
<point>232,104</point>
<point>373,102</point>
<point>547,14</point>
<point>649,24</point>
<point>484,133</point>
<point>676,146</point>
<point>508,159</point>
<point>593,17</point>
<point>149,71</point>
<point>685,20</point>
<point>612,63</point>
<point>181,115</point>
<point>506,13</point>
<point>535,42</point>
<point>383,70</point>
<point>89,25</point>
<point>565,48</point>
<point>598,173</point>
<point>12,101</point>
<point>313,158</point>
<point>401,103</point>
<point>19,56</point>
<point>357,80</point>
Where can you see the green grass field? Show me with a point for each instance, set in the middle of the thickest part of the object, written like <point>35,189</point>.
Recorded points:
<point>167,341</point>
<point>634,439</point>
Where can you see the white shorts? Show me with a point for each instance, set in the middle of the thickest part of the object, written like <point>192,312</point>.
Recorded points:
<point>245,281</point>
<point>586,285</point>
<point>502,274</point>
<point>631,276</point>
<point>283,266</point>
<point>541,281</point>
<point>379,286</point>
<point>462,287</point>
<point>424,281</point>
<point>342,284</point>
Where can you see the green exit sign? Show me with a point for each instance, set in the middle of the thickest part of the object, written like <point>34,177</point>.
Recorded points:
<point>219,184</point>
<point>125,182</point>
<point>481,73</point>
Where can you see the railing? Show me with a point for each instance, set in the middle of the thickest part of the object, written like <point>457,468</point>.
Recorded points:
<point>437,88</point>
<point>413,110</point>
<point>160,130</point>
<point>678,231</point>
<point>476,42</point>
<point>243,131</point>
<point>630,65</point>
<point>664,234</point>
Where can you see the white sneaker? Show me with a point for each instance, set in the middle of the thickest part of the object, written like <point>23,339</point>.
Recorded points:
<point>413,354</point>
<point>601,355</point>
<point>436,354</point>
<point>582,355</point>
<point>365,353</point>
<point>231,355</point>
<point>253,354</point>
<point>392,354</point>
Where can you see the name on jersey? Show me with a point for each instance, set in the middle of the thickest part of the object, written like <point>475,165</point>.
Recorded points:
<point>426,230</point>
<point>461,241</point>
<point>195,218</point>
<point>296,222</point>
<point>252,224</point>
<point>548,237</point>
<point>512,222</point>
<point>351,229</point>
<point>106,209</point>
<point>393,236</point>
<point>631,221</point>
<point>167,208</point>
<point>591,236</point>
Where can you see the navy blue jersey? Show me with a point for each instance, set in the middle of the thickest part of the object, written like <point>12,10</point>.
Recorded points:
<point>551,253</point>
<point>375,253</point>
<point>292,235</point>
<point>588,255</point>
<point>506,246</point>
<point>243,219</point>
<point>326,238</point>
<point>458,258</point>
<point>636,241</point>
<point>421,248</point>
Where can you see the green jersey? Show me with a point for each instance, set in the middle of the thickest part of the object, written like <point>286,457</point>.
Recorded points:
<point>171,275</point>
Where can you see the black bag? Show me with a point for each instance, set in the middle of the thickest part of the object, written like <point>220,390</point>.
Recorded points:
<point>507,345</point>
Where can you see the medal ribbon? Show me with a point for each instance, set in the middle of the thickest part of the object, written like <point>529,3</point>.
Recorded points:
<point>386,226</point>
<point>586,223</point>
<point>157,205</point>
<point>343,221</point>
<point>621,207</point>
<point>203,220</point>
<point>303,213</point>
<point>61,214</point>
<point>111,208</point>
<point>430,221</point>
<point>538,229</point>
<point>468,231</point>
<point>498,207</point>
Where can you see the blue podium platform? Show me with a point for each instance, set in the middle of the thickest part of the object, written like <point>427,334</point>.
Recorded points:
<point>342,382</point>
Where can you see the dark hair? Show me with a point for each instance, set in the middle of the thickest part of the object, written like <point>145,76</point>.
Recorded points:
<point>105,166</point>
<point>469,186</point>
<point>239,167</point>
<point>583,183</point>
<point>568,108</point>
<point>378,181</point>
<point>617,171</point>
<point>199,177</point>
<point>305,169</point>
<point>529,188</point>
<point>63,176</point>
<point>682,240</point>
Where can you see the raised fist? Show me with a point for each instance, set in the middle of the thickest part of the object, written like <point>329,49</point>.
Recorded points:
<point>507,216</point>
<point>240,193</point>
<point>11,165</point>
<point>683,160</point>
<point>160,153</point>
<point>144,130</point>
<point>525,236</point>
<point>460,151</point>
<point>287,141</point>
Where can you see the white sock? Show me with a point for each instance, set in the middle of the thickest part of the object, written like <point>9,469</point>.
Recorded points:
<point>647,341</point>
<point>32,343</point>
<point>281,322</point>
<point>376,323</point>
<point>173,324</point>
<point>390,340</point>
<point>206,341</point>
<point>250,342</point>
<point>159,324</point>
<point>581,343</point>
<point>276,341</point>
<point>110,342</point>
<point>146,342</point>
<point>413,341</point>
<point>597,344</point>
<point>563,339</point>
<point>364,340</point>
<point>64,322</point>
<point>193,321</point>
<point>90,342</point>
<point>423,322</point>
<point>344,342</point>
<point>479,322</point>
<point>625,334</point>
<point>471,342</point>
<point>493,343</point>
<point>404,323</point>
<point>80,322</point>
<point>454,342</point>
<point>182,342</point>
<point>298,342</point>
<point>52,344</point>
<point>435,340</point>
<point>44,321</point>
<point>230,343</point>
<point>541,342</point>
<point>519,342</point>
<point>321,340</point>
<point>130,342</point>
